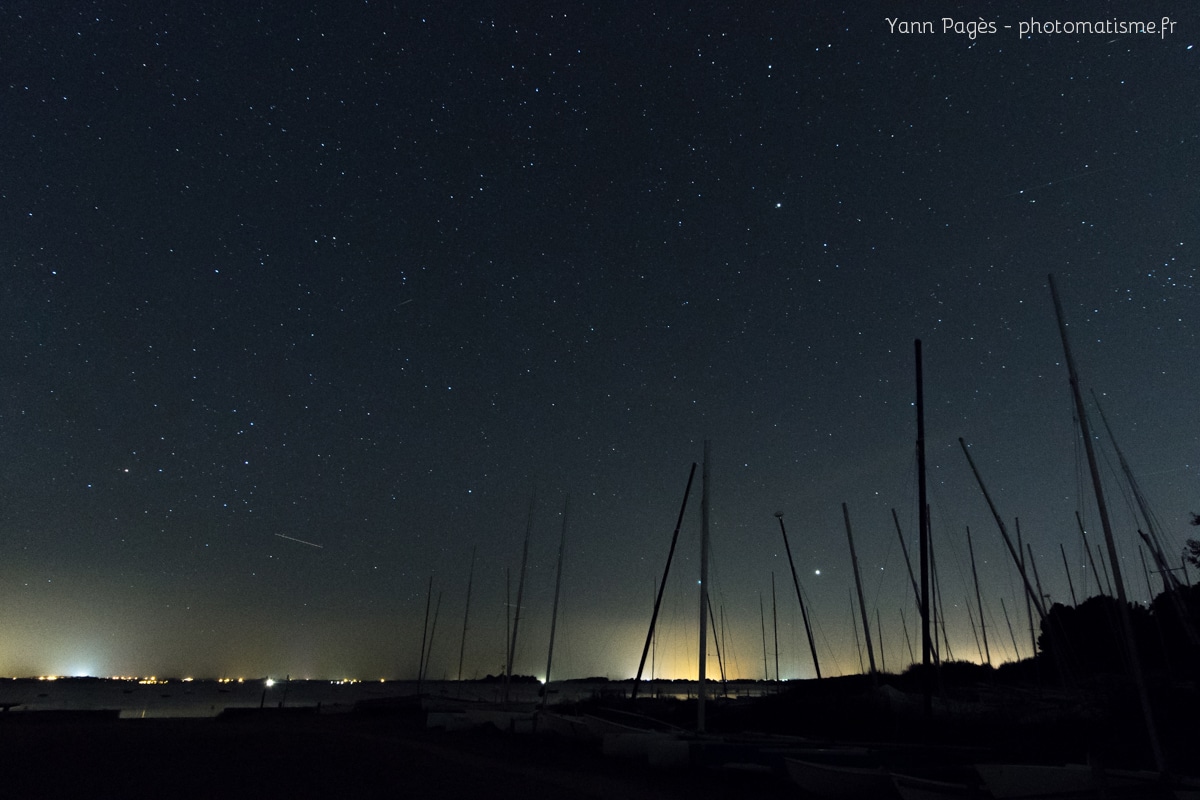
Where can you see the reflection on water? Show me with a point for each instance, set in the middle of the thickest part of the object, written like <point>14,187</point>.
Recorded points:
<point>176,698</point>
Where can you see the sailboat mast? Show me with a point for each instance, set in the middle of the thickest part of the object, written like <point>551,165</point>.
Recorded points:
<point>922,501</point>
<point>907,562</point>
<point>775,624</point>
<point>462,648</point>
<point>1015,552</point>
<point>1067,567</point>
<point>512,648</point>
<point>437,610</point>
<point>718,640</point>
<point>701,690</point>
<point>663,585</point>
<point>562,541</point>
<point>1152,541</point>
<point>940,613</point>
<point>1013,636</point>
<point>979,600</point>
<point>507,621</point>
<point>854,625</point>
<point>912,658</point>
<point>1036,579</point>
<point>800,597</point>
<point>1038,596</point>
<point>424,634</point>
<point>1087,548</point>
<point>879,633</point>
<point>862,606</point>
<point>762,618</point>
<point>1111,543</point>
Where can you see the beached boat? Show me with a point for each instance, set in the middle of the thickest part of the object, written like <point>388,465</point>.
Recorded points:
<point>919,787</point>
<point>840,780</point>
<point>567,726</point>
<point>1076,781</point>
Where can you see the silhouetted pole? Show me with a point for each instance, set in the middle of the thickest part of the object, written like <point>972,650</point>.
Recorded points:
<point>1104,569</point>
<point>718,640</point>
<point>775,624</point>
<point>466,614</point>
<point>879,633</point>
<point>979,600</point>
<point>1126,621</point>
<point>562,542</point>
<point>667,571</point>
<point>912,658</point>
<point>1152,541</point>
<point>922,500</point>
<point>1013,636</point>
<point>702,691</point>
<point>437,610</point>
<point>940,612</point>
<point>762,618</point>
<point>974,630</point>
<point>1146,572</point>
<point>1015,552</point>
<point>1067,567</point>
<point>507,619</point>
<point>796,581</point>
<point>1087,548</point>
<point>907,563</point>
<point>1036,578</point>
<point>854,624</point>
<point>424,634</point>
<point>512,649</point>
<point>1038,596</point>
<point>862,606</point>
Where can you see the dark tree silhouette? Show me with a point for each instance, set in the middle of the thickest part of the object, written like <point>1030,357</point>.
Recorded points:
<point>1086,639</point>
<point>1192,550</point>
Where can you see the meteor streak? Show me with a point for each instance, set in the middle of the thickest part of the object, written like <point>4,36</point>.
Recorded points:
<point>301,541</point>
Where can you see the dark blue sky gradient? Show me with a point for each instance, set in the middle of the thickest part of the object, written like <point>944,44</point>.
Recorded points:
<point>368,275</point>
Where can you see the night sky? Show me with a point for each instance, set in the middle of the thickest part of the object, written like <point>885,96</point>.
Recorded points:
<point>303,302</point>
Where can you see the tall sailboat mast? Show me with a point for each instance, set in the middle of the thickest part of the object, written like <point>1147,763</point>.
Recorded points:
<point>462,648</point>
<point>862,606</point>
<point>923,503</point>
<point>424,634</point>
<point>775,624</point>
<point>1123,604</point>
<point>512,647</point>
<point>762,618</point>
<point>562,541</point>
<point>663,585</point>
<point>705,491</point>
<point>979,600</point>
<point>799,596</point>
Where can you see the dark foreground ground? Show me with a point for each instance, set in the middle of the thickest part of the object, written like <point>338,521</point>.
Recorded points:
<point>326,756</point>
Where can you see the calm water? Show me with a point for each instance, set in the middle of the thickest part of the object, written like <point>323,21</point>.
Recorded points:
<point>177,698</point>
